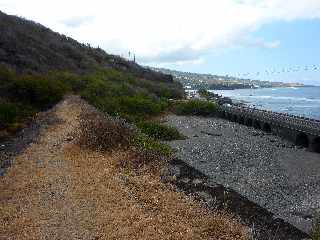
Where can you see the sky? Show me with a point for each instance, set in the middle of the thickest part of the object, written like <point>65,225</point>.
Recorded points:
<point>275,40</point>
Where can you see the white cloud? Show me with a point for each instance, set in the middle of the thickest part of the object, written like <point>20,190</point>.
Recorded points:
<point>163,30</point>
<point>259,43</point>
<point>75,22</point>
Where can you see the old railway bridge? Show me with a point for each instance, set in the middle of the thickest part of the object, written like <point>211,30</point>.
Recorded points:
<point>302,131</point>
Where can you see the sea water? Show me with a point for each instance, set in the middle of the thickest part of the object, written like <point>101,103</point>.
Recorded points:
<point>304,101</point>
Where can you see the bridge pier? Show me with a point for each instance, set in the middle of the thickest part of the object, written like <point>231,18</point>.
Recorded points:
<point>235,118</point>
<point>315,144</point>
<point>266,127</point>
<point>256,124</point>
<point>249,122</point>
<point>303,132</point>
<point>302,140</point>
<point>241,120</point>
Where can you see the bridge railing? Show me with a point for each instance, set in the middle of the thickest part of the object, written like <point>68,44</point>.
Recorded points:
<point>304,124</point>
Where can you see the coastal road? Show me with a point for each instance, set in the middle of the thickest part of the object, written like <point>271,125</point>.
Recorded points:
<point>264,168</point>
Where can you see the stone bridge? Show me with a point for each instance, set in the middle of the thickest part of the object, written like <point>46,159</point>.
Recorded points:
<point>302,131</point>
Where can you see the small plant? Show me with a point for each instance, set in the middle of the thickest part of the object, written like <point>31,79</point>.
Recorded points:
<point>195,107</point>
<point>103,133</point>
<point>160,131</point>
<point>141,106</point>
<point>152,145</point>
<point>204,93</point>
<point>316,232</point>
<point>36,90</point>
<point>8,114</point>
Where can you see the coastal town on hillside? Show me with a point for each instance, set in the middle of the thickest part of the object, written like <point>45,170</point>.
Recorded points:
<point>216,82</point>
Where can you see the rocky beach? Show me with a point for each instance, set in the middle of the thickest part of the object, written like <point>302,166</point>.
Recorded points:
<point>265,168</point>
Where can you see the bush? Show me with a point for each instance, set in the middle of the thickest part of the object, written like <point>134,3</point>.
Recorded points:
<point>151,145</point>
<point>160,131</point>
<point>205,93</point>
<point>141,106</point>
<point>316,233</point>
<point>37,91</point>
<point>8,114</point>
<point>103,133</point>
<point>111,91</point>
<point>195,107</point>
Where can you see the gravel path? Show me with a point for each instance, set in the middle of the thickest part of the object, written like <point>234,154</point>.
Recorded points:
<point>265,168</point>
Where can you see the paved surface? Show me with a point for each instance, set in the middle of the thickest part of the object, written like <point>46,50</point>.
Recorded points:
<point>266,169</point>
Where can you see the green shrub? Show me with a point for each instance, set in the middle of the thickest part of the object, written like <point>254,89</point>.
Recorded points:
<point>6,75</point>
<point>195,107</point>
<point>111,91</point>
<point>152,145</point>
<point>205,94</point>
<point>141,105</point>
<point>8,114</point>
<point>160,131</point>
<point>316,233</point>
<point>36,90</point>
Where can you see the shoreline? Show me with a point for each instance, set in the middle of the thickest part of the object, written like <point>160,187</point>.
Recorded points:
<point>305,103</point>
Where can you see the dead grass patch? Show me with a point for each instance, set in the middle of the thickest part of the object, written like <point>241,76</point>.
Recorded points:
<point>137,205</point>
<point>102,132</point>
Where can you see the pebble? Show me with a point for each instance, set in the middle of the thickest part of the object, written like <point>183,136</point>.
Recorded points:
<point>249,161</point>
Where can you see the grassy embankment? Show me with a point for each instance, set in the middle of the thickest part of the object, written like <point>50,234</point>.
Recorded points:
<point>111,91</point>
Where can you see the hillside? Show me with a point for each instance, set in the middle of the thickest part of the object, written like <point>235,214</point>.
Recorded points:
<point>38,67</point>
<point>27,46</point>
<point>216,82</point>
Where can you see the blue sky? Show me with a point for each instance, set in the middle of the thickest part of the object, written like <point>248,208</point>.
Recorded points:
<point>207,36</point>
<point>299,46</point>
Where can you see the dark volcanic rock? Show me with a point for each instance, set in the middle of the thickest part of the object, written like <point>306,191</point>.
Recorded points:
<point>279,178</point>
<point>264,224</point>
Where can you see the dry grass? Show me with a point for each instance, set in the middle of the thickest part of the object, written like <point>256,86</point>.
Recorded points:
<point>139,206</point>
<point>101,132</point>
<point>58,190</point>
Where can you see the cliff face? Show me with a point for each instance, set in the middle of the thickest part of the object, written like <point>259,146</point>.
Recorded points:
<point>27,46</point>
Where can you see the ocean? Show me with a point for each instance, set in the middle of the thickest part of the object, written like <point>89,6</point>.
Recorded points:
<point>304,101</point>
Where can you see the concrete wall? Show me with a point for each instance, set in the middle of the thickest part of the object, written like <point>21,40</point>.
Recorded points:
<point>296,136</point>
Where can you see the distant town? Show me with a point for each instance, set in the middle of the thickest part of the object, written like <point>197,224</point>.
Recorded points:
<point>215,82</point>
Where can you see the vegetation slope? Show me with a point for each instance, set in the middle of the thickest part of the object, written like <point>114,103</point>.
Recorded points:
<point>39,66</point>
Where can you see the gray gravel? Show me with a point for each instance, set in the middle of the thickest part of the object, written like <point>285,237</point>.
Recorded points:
<point>265,168</point>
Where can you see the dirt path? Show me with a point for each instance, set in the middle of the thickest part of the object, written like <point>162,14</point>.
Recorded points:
<point>55,190</point>
<point>38,184</point>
